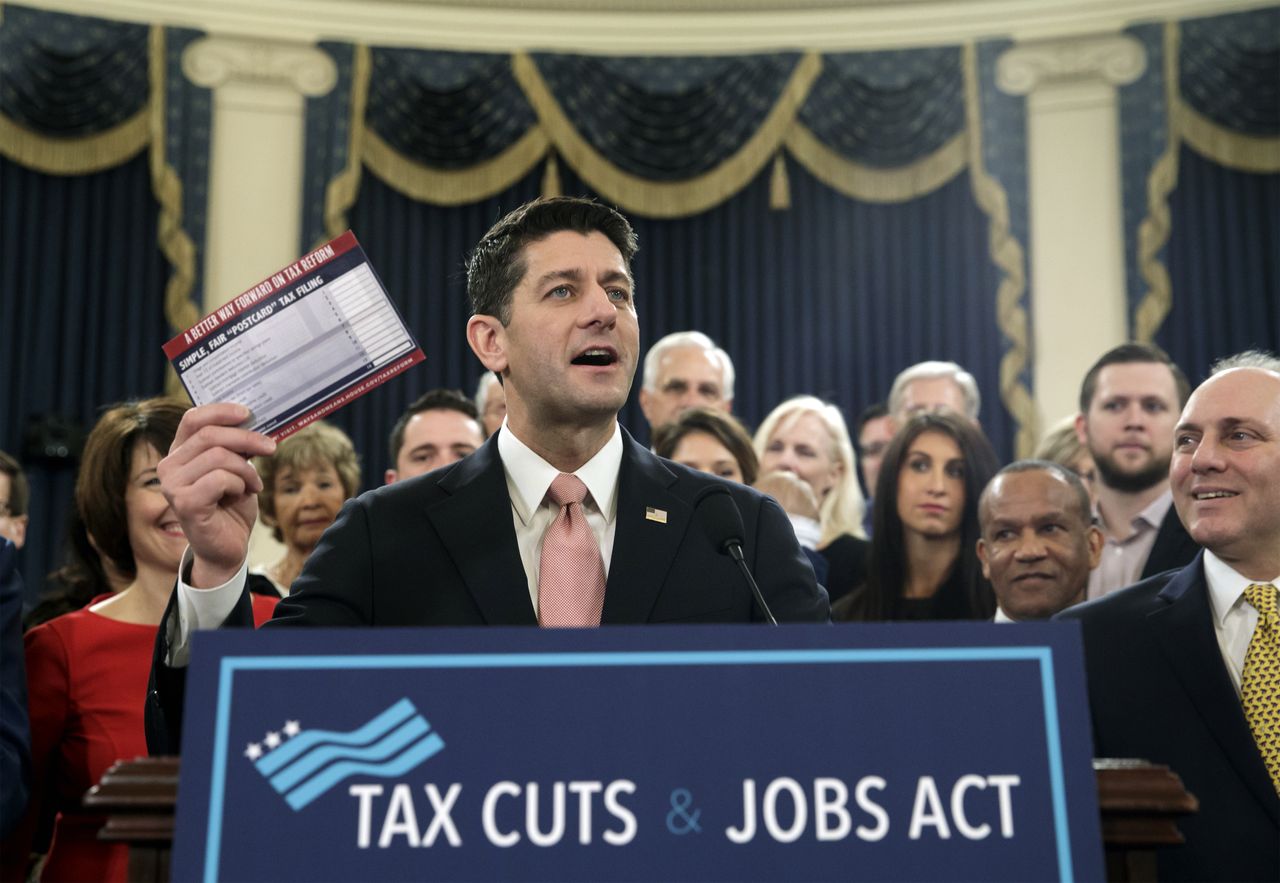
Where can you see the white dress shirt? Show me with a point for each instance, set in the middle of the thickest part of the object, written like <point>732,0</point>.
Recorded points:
<point>1234,618</point>
<point>1124,558</point>
<point>528,479</point>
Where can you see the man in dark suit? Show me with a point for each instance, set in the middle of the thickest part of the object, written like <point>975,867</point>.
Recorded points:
<point>551,292</point>
<point>1183,667</point>
<point>1129,401</point>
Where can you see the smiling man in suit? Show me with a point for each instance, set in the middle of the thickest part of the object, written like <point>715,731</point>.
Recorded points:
<point>472,544</point>
<point>1184,668</point>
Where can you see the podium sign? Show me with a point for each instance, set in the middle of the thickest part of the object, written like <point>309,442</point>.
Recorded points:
<point>879,752</point>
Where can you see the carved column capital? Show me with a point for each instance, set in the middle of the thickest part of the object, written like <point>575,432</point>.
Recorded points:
<point>1112,59</point>
<point>216,61</point>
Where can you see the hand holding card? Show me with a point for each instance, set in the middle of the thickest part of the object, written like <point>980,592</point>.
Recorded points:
<point>212,487</point>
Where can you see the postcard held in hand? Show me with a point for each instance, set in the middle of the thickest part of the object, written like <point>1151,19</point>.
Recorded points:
<point>300,344</point>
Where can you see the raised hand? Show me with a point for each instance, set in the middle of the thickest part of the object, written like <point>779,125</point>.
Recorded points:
<point>212,487</point>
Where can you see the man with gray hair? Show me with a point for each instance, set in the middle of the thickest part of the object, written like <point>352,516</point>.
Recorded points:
<point>681,371</point>
<point>934,386</point>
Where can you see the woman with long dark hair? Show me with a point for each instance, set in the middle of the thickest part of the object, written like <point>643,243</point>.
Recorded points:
<point>924,563</point>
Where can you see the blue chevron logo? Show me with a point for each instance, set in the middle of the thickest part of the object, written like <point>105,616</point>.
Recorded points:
<point>302,765</point>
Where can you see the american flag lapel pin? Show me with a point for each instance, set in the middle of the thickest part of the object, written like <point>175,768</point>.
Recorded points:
<point>658,515</point>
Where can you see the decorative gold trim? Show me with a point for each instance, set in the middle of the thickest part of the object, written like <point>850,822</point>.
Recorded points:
<point>1154,230</point>
<point>666,199</point>
<point>871,184</point>
<point>1007,254</point>
<point>74,156</point>
<point>779,184</point>
<point>1244,153</point>
<point>175,243</point>
<point>472,184</point>
<point>342,191</point>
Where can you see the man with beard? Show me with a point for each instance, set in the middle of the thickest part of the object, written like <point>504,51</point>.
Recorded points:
<point>1129,403</point>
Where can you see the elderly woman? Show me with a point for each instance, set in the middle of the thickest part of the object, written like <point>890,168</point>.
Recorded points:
<point>304,484</point>
<point>709,441</point>
<point>808,437</point>
<point>924,562</point>
<point>87,670</point>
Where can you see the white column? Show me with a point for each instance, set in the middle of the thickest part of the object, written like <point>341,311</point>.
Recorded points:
<point>1077,228</point>
<point>255,170</point>
<point>256,154</point>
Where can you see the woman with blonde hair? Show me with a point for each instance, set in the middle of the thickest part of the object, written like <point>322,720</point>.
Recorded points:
<point>808,437</point>
<point>304,484</point>
<point>1061,445</point>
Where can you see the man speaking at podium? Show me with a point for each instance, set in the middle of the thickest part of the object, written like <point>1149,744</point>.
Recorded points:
<point>560,519</point>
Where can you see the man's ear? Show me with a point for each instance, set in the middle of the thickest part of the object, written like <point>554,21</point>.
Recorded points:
<point>646,406</point>
<point>1082,431</point>
<point>982,557</point>
<point>488,340</point>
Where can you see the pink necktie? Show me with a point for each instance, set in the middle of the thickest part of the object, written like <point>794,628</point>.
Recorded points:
<point>571,574</point>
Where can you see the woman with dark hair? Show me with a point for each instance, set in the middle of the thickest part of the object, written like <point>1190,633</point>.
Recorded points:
<point>709,441</point>
<point>87,670</point>
<point>924,563</point>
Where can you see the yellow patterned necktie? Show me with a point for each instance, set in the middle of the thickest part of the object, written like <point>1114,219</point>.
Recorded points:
<point>1260,683</point>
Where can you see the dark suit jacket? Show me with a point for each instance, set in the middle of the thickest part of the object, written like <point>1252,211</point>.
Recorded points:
<point>15,734</point>
<point>441,550</point>
<point>1158,689</point>
<point>1173,547</point>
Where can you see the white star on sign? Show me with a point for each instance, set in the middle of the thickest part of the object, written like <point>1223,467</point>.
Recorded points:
<point>254,751</point>
<point>292,728</point>
<point>273,740</point>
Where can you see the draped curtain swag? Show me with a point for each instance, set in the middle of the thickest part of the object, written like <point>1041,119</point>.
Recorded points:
<point>1216,91</point>
<point>81,95</point>
<point>669,138</point>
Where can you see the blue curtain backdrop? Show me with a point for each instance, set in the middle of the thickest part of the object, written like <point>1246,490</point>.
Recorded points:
<point>1224,260</point>
<point>833,297</point>
<point>81,319</point>
<point>85,261</point>
<point>1210,208</point>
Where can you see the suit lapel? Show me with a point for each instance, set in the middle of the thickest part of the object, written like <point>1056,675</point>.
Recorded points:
<point>475,526</point>
<point>1173,546</point>
<point>1182,623</point>
<point>643,548</point>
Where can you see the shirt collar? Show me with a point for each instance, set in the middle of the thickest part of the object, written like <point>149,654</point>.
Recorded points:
<point>1152,516</point>
<point>1226,585</point>
<point>1001,616</point>
<point>529,476</point>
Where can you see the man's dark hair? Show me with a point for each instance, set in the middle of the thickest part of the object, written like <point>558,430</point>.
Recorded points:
<point>869,413</point>
<point>1130,354</point>
<point>496,265</point>
<point>431,400</point>
<point>1083,507</point>
<point>18,492</point>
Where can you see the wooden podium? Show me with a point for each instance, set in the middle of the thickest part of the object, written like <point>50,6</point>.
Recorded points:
<point>1139,802</point>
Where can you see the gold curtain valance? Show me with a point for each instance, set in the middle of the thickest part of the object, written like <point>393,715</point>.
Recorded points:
<point>1243,153</point>
<point>555,135</point>
<point>75,156</point>
<point>872,184</point>
<point>662,199</point>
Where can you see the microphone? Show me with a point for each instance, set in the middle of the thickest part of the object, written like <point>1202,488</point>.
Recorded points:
<point>723,523</point>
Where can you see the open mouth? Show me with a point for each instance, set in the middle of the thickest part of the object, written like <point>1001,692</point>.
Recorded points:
<point>596,357</point>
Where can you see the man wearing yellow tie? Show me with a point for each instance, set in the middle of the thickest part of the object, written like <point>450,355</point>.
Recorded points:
<point>1184,667</point>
